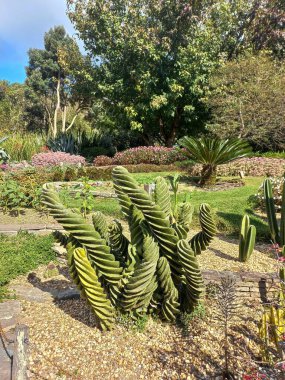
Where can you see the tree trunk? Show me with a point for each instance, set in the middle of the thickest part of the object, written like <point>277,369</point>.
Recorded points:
<point>63,126</point>
<point>54,131</point>
<point>208,175</point>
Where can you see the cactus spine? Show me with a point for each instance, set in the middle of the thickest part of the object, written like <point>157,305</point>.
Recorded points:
<point>247,239</point>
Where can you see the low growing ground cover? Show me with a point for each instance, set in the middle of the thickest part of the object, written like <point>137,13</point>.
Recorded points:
<point>22,253</point>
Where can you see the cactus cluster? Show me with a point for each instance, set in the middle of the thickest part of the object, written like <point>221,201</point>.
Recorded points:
<point>247,239</point>
<point>150,267</point>
<point>277,233</point>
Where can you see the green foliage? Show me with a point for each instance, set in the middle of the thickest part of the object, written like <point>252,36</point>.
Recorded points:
<point>247,239</point>
<point>277,233</point>
<point>22,253</point>
<point>211,152</point>
<point>58,84</point>
<point>142,274</point>
<point>23,146</point>
<point>247,101</point>
<point>157,65</point>
<point>85,195</point>
<point>12,196</point>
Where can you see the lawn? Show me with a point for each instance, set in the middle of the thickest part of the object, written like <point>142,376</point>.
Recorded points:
<point>228,206</point>
<point>22,253</point>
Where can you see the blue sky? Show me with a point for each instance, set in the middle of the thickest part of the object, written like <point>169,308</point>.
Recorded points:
<point>22,26</point>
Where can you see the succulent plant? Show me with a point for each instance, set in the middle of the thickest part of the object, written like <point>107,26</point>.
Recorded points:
<point>149,269</point>
<point>277,233</point>
<point>247,239</point>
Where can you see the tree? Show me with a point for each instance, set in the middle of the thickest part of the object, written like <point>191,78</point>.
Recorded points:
<point>247,100</point>
<point>58,81</point>
<point>153,62</point>
<point>12,105</point>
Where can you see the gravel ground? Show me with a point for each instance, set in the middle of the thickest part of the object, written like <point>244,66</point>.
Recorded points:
<point>65,344</point>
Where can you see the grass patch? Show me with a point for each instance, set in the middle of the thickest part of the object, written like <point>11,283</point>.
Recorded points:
<point>22,253</point>
<point>228,206</point>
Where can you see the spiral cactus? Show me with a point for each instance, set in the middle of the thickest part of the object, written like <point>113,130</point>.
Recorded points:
<point>86,235</point>
<point>100,224</point>
<point>142,277</point>
<point>162,196</point>
<point>151,270</point>
<point>202,239</point>
<point>95,295</point>
<point>192,273</point>
<point>170,305</point>
<point>155,217</point>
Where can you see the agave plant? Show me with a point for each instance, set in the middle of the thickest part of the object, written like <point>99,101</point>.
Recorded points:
<point>150,268</point>
<point>63,143</point>
<point>211,152</point>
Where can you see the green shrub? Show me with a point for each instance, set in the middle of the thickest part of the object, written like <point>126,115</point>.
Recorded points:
<point>21,147</point>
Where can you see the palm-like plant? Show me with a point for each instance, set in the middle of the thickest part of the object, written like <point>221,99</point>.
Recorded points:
<point>211,152</point>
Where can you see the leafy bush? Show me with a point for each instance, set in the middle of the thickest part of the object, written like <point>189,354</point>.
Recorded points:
<point>22,253</point>
<point>55,158</point>
<point>157,155</point>
<point>90,152</point>
<point>12,196</point>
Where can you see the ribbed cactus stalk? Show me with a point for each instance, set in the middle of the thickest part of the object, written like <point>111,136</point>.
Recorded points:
<point>91,286</point>
<point>153,270</point>
<point>192,273</point>
<point>202,239</point>
<point>170,305</point>
<point>135,289</point>
<point>155,217</point>
<point>271,213</point>
<point>247,239</point>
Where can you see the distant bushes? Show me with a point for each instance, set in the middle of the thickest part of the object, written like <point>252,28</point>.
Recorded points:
<point>254,166</point>
<point>156,155</point>
<point>55,158</point>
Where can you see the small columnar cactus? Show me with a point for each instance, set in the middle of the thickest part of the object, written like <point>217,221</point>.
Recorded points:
<point>277,234</point>
<point>247,239</point>
<point>151,268</point>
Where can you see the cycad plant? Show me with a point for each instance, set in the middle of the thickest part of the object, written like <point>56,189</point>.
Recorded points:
<point>151,268</point>
<point>211,152</point>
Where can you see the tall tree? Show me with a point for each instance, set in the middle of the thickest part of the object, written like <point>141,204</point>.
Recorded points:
<point>247,100</point>
<point>154,59</point>
<point>58,81</point>
<point>12,106</point>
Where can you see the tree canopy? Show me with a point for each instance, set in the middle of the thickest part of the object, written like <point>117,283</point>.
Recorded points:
<point>247,100</point>
<point>154,58</point>
<point>58,81</point>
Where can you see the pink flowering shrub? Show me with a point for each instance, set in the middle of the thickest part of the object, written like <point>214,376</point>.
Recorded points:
<point>56,158</point>
<point>155,155</point>
<point>254,166</point>
<point>277,187</point>
<point>103,161</point>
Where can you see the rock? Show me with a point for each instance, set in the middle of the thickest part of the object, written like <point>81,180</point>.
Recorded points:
<point>32,294</point>
<point>9,312</point>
